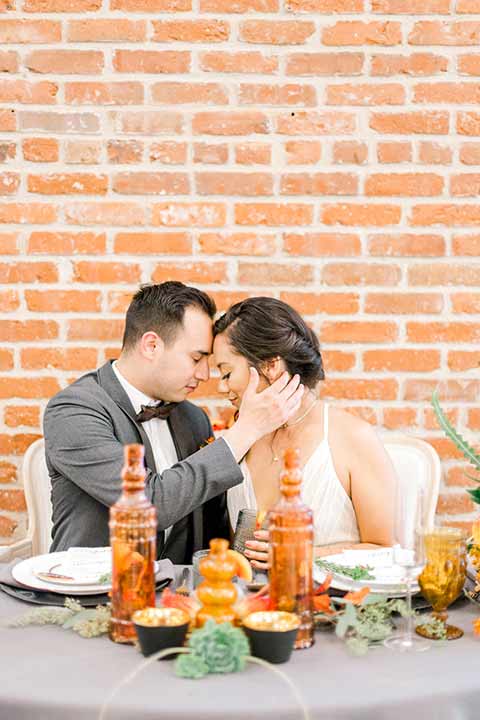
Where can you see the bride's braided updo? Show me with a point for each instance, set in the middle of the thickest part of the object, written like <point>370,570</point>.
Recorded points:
<point>263,328</point>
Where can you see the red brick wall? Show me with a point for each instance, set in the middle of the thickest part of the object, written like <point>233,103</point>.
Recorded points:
<point>325,151</point>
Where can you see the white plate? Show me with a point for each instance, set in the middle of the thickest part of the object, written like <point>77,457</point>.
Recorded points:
<point>25,573</point>
<point>387,578</point>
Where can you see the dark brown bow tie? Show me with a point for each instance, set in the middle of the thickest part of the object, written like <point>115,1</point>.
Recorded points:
<point>161,410</point>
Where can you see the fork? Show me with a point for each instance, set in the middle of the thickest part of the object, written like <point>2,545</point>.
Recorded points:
<point>182,588</point>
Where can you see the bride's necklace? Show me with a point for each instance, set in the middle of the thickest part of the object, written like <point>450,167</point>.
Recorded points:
<point>275,457</point>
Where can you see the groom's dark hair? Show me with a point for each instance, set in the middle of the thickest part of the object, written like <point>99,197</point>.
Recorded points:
<point>263,328</point>
<point>161,308</point>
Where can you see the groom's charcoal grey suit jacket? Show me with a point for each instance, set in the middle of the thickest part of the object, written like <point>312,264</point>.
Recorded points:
<point>86,426</point>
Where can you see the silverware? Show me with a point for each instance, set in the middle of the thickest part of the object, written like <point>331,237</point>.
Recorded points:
<point>182,588</point>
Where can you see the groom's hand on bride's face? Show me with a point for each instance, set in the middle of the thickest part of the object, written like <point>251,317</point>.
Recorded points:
<point>269,409</point>
<point>263,412</point>
<point>257,550</point>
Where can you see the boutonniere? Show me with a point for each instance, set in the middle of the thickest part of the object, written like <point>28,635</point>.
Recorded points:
<point>207,442</point>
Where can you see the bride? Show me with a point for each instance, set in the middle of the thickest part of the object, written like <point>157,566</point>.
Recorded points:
<point>348,479</point>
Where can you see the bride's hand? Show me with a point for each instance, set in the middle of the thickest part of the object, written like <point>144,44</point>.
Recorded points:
<point>257,550</point>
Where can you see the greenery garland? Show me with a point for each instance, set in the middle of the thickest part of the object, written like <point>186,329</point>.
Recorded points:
<point>87,623</point>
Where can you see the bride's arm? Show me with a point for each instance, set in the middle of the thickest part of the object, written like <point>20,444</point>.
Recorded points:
<point>372,487</point>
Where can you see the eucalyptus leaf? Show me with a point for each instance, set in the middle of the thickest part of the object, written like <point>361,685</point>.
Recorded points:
<point>342,626</point>
<point>366,623</point>
<point>372,599</point>
<point>400,606</point>
<point>373,632</point>
<point>346,620</point>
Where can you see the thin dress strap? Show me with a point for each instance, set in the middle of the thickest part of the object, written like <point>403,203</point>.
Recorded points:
<point>325,422</point>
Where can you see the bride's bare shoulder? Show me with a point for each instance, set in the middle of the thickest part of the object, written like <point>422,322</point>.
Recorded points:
<point>348,426</point>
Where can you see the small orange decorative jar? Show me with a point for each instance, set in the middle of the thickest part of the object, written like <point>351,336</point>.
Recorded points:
<point>217,593</point>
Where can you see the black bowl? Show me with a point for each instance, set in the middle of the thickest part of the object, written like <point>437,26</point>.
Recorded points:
<point>160,628</point>
<point>271,634</point>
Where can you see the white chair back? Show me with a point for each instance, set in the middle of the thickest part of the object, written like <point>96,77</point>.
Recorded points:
<point>417,466</point>
<point>37,486</point>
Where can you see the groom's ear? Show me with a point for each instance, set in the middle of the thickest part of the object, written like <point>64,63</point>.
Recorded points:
<point>272,369</point>
<point>151,344</point>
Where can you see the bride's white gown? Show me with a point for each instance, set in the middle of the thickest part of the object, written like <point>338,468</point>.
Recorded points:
<point>334,516</point>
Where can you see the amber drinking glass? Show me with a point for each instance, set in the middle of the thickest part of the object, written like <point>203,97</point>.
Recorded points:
<point>249,521</point>
<point>443,577</point>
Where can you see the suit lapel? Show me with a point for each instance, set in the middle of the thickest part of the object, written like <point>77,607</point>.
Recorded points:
<point>181,434</point>
<point>182,439</point>
<point>108,381</point>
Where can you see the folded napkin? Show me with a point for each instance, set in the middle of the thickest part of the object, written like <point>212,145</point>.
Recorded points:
<point>164,576</point>
<point>87,564</point>
<point>381,557</point>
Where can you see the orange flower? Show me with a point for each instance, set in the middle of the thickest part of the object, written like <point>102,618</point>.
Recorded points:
<point>252,604</point>
<point>476,626</point>
<point>325,585</point>
<point>218,426</point>
<point>175,600</point>
<point>207,442</point>
<point>356,597</point>
<point>321,603</point>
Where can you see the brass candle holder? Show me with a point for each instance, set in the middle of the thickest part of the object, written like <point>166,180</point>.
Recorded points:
<point>160,628</point>
<point>272,634</point>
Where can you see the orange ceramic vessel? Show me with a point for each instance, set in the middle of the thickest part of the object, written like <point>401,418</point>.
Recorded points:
<point>216,592</point>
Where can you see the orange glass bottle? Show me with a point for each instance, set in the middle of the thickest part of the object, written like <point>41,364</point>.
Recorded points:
<point>133,537</point>
<point>217,593</point>
<point>291,551</point>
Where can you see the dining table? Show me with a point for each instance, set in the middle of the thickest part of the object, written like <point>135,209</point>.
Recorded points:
<point>50,673</point>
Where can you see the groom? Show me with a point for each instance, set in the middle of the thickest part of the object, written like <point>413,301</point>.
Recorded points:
<point>142,398</point>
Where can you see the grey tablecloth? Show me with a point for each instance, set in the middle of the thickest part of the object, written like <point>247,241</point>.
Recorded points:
<point>50,674</point>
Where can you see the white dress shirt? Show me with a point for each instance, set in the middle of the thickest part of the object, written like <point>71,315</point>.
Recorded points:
<point>156,429</point>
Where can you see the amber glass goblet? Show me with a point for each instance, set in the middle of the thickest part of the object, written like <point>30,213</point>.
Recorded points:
<point>443,576</point>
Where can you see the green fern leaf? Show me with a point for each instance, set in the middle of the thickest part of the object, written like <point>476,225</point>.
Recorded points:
<point>475,478</point>
<point>475,495</point>
<point>466,449</point>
